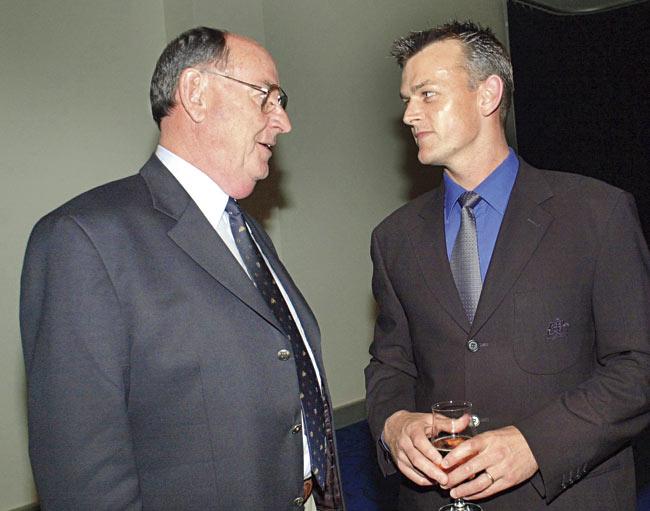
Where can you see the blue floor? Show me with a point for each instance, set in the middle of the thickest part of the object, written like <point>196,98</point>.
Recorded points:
<point>643,503</point>
<point>366,489</point>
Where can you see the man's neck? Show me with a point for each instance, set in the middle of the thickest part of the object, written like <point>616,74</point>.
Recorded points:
<point>473,170</point>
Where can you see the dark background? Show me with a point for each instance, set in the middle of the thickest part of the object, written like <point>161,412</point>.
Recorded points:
<point>582,84</point>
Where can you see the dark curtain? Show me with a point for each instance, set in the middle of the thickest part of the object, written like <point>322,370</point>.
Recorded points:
<point>582,89</point>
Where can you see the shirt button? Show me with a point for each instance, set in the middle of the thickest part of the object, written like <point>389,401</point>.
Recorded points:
<point>298,501</point>
<point>296,429</point>
<point>472,346</point>
<point>284,354</point>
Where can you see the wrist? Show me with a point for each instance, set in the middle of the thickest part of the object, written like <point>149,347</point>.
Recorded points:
<point>389,423</point>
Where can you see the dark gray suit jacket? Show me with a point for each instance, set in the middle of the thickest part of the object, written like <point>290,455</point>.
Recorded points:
<point>562,330</point>
<point>153,374</point>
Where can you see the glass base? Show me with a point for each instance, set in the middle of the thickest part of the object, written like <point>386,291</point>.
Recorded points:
<point>461,506</point>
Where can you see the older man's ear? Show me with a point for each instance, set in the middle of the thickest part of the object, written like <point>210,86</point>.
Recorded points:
<point>190,94</point>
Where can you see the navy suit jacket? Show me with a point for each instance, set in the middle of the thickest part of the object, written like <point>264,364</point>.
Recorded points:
<point>153,374</point>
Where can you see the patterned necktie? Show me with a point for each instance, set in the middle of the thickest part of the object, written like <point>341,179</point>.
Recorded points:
<point>313,406</point>
<point>464,258</point>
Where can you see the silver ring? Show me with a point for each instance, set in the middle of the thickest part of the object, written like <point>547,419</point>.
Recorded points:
<point>490,476</point>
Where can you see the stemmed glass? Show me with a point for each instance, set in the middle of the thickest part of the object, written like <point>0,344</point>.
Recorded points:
<point>451,433</point>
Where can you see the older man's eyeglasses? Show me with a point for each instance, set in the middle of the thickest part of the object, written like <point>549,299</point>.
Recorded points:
<point>273,95</point>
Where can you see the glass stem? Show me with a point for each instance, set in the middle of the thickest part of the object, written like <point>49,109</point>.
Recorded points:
<point>459,504</point>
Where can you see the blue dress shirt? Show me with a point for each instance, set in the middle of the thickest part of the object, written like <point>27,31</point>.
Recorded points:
<point>495,193</point>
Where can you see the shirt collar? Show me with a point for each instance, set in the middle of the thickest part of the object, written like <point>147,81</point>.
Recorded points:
<point>494,189</point>
<point>207,194</point>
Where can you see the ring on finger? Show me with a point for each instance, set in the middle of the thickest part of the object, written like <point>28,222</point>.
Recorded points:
<point>490,476</point>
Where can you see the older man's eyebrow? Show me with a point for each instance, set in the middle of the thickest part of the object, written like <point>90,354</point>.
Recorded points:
<point>270,84</point>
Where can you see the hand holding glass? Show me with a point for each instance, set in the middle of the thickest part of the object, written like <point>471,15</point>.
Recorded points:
<point>452,424</point>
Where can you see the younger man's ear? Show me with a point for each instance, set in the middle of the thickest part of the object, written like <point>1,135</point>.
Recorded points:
<point>491,93</point>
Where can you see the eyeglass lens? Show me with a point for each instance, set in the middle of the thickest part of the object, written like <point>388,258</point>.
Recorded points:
<point>275,97</point>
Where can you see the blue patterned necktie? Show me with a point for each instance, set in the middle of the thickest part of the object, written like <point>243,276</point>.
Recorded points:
<point>464,262</point>
<point>311,399</point>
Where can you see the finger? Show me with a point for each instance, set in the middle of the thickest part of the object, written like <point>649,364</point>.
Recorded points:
<point>418,461</point>
<point>464,451</point>
<point>441,423</point>
<point>414,475</point>
<point>423,444</point>
<point>420,443</point>
<point>498,486</point>
<point>469,468</point>
<point>479,484</point>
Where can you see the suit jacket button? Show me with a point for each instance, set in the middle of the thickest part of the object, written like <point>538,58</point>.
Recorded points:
<point>298,501</point>
<point>284,354</point>
<point>472,346</point>
<point>475,421</point>
<point>296,429</point>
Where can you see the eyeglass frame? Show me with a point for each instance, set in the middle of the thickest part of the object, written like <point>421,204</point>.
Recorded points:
<point>283,99</point>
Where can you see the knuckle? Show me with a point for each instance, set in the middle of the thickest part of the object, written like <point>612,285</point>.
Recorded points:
<point>501,454</point>
<point>410,429</point>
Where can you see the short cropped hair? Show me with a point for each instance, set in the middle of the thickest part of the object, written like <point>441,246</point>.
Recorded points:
<point>198,45</point>
<point>485,55</point>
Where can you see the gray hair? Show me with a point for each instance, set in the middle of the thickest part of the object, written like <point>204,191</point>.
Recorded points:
<point>196,46</point>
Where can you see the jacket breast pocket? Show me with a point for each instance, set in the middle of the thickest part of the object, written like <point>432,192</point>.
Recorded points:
<point>552,328</point>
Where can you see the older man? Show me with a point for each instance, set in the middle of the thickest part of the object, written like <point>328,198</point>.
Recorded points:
<point>523,291</point>
<point>172,363</point>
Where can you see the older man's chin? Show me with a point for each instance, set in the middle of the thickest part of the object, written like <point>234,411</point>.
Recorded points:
<point>246,188</point>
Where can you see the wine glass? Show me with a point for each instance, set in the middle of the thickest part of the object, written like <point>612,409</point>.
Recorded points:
<point>452,433</point>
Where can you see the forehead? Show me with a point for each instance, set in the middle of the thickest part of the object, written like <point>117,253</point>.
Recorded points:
<point>443,60</point>
<point>248,59</point>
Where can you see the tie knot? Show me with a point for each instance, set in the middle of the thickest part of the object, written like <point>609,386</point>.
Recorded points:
<point>232,208</point>
<point>468,200</point>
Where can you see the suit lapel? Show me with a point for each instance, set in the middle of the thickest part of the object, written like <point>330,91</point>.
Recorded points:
<point>523,227</point>
<point>196,237</point>
<point>428,239</point>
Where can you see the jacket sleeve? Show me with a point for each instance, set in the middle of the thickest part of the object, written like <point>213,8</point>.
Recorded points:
<point>76,352</point>
<point>391,373</point>
<point>587,425</point>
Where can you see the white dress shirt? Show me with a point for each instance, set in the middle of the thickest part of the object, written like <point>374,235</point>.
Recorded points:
<point>212,200</point>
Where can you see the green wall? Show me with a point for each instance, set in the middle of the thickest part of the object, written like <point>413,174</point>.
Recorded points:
<point>74,114</point>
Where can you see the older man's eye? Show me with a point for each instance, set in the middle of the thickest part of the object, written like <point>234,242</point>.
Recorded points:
<point>429,94</point>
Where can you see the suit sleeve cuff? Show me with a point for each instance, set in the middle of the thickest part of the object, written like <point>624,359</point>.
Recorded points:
<point>385,458</point>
